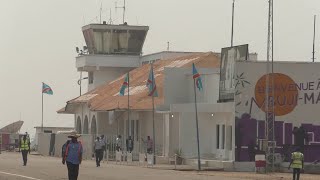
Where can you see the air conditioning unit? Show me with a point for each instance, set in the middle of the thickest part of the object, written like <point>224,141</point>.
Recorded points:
<point>276,157</point>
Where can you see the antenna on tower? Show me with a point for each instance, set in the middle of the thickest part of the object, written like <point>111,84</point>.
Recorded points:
<point>124,10</point>
<point>168,46</point>
<point>314,38</point>
<point>269,104</point>
<point>100,11</point>
<point>110,18</point>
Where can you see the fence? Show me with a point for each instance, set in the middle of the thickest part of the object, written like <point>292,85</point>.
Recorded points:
<point>51,144</point>
<point>139,148</point>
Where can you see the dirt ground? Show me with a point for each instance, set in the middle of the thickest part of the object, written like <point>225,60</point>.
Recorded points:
<point>49,168</point>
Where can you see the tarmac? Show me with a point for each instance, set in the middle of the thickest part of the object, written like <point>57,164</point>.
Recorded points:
<point>50,168</point>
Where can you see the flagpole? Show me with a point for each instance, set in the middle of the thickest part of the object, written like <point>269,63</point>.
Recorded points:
<point>42,114</point>
<point>232,26</point>
<point>195,103</point>
<point>153,129</point>
<point>128,105</point>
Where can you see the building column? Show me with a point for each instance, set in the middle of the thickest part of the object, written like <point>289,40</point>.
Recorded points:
<point>166,133</point>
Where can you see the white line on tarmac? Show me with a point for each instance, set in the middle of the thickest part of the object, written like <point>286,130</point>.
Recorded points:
<point>1,172</point>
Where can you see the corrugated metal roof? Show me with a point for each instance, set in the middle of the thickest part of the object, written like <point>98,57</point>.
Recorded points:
<point>12,128</point>
<point>106,97</point>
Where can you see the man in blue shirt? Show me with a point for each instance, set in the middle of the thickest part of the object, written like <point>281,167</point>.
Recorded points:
<point>72,154</point>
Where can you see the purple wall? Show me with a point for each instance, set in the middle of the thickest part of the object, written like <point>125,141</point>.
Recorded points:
<point>247,130</point>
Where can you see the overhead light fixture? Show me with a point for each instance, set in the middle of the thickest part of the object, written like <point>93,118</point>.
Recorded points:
<point>172,115</point>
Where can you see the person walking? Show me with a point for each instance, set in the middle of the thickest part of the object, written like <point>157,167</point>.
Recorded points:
<point>104,146</point>
<point>119,143</point>
<point>149,145</point>
<point>129,144</point>
<point>297,163</point>
<point>25,148</point>
<point>72,155</point>
<point>98,151</point>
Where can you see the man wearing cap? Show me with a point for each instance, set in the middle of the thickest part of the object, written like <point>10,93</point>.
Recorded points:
<point>25,148</point>
<point>72,154</point>
<point>296,163</point>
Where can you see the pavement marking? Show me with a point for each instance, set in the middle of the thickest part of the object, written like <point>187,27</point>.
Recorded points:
<point>1,172</point>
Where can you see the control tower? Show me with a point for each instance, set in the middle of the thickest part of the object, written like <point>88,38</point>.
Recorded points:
<point>110,51</point>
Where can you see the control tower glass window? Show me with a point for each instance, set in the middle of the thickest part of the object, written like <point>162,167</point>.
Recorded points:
<point>117,41</point>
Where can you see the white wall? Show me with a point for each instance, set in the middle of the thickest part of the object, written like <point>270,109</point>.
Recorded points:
<point>207,135</point>
<point>53,129</point>
<point>210,81</point>
<point>105,126</point>
<point>44,143</point>
<point>105,75</point>
<point>211,88</point>
<point>174,93</point>
<point>60,139</point>
<point>188,135</point>
<point>82,111</point>
<point>107,61</point>
<point>147,128</point>
<point>184,92</point>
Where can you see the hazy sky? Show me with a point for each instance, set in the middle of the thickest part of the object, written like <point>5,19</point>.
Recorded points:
<point>38,40</point>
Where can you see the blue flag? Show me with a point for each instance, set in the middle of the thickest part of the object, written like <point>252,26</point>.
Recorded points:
<point>46,89</point>
<point>151,84</point>
<point>124,85</point>
<point>197,77</point>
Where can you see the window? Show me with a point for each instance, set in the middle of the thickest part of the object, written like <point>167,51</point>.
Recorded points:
<point>132,129</point>
<point>128,128</point>
<point>223,136</point>
<point>47,131</point>
<point>218,136</point>
<point>90,74</point>
<point>137,129</point>
<point>116,41</point>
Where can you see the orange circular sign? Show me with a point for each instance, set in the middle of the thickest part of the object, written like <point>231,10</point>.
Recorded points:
<point>285,97</point>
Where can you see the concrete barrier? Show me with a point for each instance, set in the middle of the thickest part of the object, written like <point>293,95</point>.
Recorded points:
<point>150,159</point>
<point>129,157</point>
<point>118,156</point>
<point>142,159</point>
